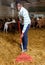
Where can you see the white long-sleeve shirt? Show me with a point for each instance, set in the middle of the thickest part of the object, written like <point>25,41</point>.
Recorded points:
<point>24,13</point>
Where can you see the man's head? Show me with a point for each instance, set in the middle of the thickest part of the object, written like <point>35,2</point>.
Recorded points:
<point>18,5</point>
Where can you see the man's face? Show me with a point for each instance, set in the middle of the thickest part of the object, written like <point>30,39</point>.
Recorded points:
<point>18,6</point>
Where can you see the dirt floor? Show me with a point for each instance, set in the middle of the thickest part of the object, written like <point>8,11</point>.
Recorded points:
<point>10,48</point>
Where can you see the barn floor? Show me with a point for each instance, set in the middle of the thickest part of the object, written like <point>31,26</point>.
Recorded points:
<point>10,49</point>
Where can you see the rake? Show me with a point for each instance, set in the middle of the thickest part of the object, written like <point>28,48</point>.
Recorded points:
<point>23,57</point>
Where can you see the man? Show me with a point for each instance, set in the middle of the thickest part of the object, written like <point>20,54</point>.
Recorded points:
<point>22,12</point>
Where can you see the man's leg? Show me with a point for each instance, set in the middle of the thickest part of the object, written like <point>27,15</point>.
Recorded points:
<point>25,38</point>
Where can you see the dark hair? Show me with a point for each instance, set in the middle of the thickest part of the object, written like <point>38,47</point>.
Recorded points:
<point>18,1</point>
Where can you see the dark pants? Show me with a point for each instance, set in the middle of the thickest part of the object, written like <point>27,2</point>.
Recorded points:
<point>25,37</point>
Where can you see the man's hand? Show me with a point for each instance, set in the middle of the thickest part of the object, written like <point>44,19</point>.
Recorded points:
<point>22,35</point>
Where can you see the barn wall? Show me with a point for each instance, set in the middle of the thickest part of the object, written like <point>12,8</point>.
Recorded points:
<point>6,11</point>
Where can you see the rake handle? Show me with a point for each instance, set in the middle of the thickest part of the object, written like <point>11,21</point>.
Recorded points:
<point>19,31</point>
